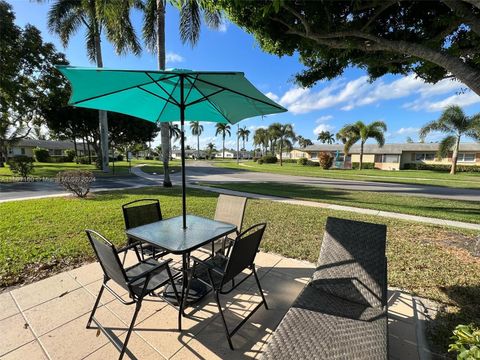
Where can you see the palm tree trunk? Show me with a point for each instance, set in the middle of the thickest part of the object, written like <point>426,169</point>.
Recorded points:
<point>361,156</point>
<point>453,169</point>
<point>198,146</point>
<point>281,150</point>
<point>102,115</point>
<point>164,127</point>
<point>75,147</point>
<point>223,146</point>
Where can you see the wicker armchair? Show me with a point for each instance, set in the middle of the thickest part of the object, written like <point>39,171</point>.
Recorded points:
<point>342,312</point>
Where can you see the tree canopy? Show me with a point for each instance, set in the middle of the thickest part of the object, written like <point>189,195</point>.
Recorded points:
<point>433,39</point>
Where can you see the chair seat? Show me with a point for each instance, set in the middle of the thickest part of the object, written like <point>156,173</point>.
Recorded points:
<point>218,262</point>
<point>322,326</point>
<point>159,277</point>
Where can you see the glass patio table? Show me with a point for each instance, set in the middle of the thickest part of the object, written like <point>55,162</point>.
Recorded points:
<point>169,235</point>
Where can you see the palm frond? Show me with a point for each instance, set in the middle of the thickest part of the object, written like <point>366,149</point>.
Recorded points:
<point>434,125</point>
<point>90,42</point>
<point>149,32</point>
<point>64,19</point>
<point>378,135</point>
<point>454,118</point>
<point>190,22</point>
<point>446,145</point>
<point>378,125</point>
<point>212,16</point>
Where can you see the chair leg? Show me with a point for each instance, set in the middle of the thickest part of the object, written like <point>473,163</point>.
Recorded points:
<point>92,314</point>
<point>132,323</point>
<point>259,287</point>
<point>217,299</point>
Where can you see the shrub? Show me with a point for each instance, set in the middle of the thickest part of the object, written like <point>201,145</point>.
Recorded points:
<point>69,155</point>
<point>76,181</point>
<point>21,165</point>
<point>365,165</point>
<point>82,160</point>
<point>325,160</point>
<point>119,157</point>
<point>269,159</point>
<point>255,159</point>
<point>442,168</point>
<point>42,155</point>
<point>313,163</point>
<point>302,161</point>
<point>467,342</point>
<point>260,161</point>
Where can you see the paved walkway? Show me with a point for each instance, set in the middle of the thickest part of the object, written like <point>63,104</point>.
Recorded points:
<point>423,219</point>
<point>46,319</point>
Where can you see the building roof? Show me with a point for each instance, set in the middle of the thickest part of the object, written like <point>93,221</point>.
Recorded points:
<point>389,148</point>
<point>46,144</point>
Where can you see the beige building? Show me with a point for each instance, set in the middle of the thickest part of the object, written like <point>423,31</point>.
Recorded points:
<point>55,148</point>
<point>391,156</point>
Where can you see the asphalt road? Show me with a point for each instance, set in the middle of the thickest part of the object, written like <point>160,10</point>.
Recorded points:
<point>207,173</point>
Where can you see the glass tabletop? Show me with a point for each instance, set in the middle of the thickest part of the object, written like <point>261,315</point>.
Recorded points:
<point>169,234</point>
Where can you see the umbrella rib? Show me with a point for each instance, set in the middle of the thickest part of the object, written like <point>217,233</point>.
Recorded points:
<point>191,88</point>
<point>161,87</point>
<point>239,93</point>
<point>164,106</point>
<point>160,97</point>
<point>215,107</point>
<point>204,98</point>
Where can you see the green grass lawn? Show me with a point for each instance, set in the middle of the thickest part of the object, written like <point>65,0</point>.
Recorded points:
<point>121,168</point>
<point>468,211</point>
<point>422,177</point>
<point>40,237</point>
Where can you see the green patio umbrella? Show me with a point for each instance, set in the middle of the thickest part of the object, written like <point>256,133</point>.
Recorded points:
<point>170,95</point>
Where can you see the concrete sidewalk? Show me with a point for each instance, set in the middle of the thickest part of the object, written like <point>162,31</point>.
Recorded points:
<point>46,319</point>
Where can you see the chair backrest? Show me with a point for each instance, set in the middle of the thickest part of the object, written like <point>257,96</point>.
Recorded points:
<point>141,212</point>
<point>352,262</point>
<point>108,258</point>
<point>244,250</point>
<point>231,209</point>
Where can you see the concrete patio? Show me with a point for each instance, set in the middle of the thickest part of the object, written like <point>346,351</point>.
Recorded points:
<point>46,319</point>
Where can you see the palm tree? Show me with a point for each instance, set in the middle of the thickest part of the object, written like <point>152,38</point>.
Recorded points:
<point>210,149</point>
<point>273,132</point>
<point>174,132</point>
<point>66,17</point>
<point>286,138</point>
<point>326,137</point>
<point>154,37</point>
<point>197,130</point>
<point>352,133</point>
<point>455,123</point>
<point>223,129</point>
<point>243,134</point>
<point>303,142</point>
<point>260,138</point>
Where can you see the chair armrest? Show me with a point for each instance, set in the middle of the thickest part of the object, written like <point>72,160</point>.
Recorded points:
<point>127,247</point>
<point>146,274</point>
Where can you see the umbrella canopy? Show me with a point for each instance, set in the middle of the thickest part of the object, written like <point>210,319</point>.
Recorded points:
<point>170,95</point>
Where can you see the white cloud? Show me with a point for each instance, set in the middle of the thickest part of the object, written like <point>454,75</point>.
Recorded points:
<point>322,127</point>
<point>172,57</point>
<point>360,92</point>
<point>407,131</point>
<point>272,96</point>
<point>323,118</point>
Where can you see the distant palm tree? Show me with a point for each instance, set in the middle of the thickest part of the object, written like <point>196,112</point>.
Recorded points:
<point>359,131</point>
<point>210,149</point>
<point>66,17</point>
<point>174,133</point>
<point>243,134</point>
<point>455,124</point>
<point>223,129</point>
<point>197,130</point>
<point>303,142</point>
<point>154,36</point>
<point>326,137</point>
<point>260,138</point>
<point>273,132</point>
<point>286,138</point>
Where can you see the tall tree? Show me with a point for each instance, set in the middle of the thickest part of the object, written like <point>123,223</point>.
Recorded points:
<point>260,138</point>
<point>66,17</point>
<point>154,37</point>
<point>174,134</point>
<point>243,133</point>
<point>303,142</point>
<point>455,123</point>
<point>273,135</point>
<point>223,129</point>
<point>361,132</point>
<point>433,39</point>
<point>326,137</point>
<point>286,138</point>
<point>28,79</point>
<point>197,130</point>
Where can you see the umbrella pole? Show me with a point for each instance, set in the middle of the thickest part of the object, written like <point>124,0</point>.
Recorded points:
<point>182,145</point>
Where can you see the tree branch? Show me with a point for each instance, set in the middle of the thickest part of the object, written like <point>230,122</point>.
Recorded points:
<point>384,7</point>
<point>465,12</point>
<point>475,3</point>
<point>299,17</point>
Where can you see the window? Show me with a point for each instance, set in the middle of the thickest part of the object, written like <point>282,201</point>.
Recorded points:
<point>387,158</point>
<point>314,155</point>
<point>466,157</point>
<point>425,156</point>
<point>57,152</point>
<point>22,151</point>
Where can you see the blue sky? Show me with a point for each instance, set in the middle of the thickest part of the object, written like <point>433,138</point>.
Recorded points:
<point>404,103</point>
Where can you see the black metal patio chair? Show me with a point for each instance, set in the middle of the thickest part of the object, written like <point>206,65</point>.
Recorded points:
<point>220,270</point>
<point>139,280</point>
<point>138,213</point>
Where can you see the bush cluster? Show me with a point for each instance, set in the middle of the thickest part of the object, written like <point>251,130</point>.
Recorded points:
<point>302,161</point>
<point>325,160</point>
<point>69,155</point>
<point>76,181</point>
<point>442,168</point>
<point>269,159</point>
<point>21,165</point>
<point>82,160</point>
<point>41,155</point>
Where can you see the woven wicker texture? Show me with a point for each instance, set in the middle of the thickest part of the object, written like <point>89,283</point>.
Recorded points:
<point>341,313</point>
<point>352,262</point>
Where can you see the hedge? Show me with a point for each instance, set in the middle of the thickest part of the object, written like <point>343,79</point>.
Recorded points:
<point>442,168</point>
<point>356,165</point>
<point>41,155</point>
